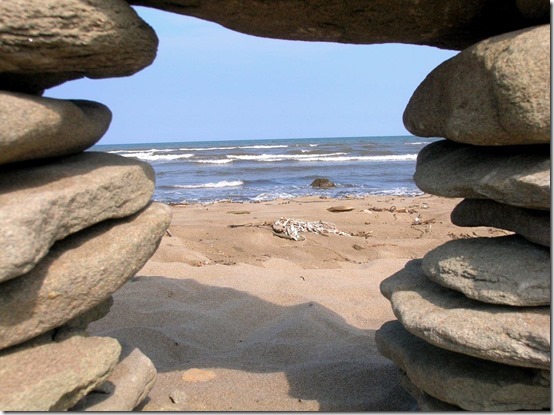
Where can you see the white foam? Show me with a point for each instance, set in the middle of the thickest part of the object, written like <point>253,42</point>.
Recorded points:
<point>223,183</point>
<point>332,157</point>
<point>232,148</point>
<point>214,161</point>
<point>148,156</point>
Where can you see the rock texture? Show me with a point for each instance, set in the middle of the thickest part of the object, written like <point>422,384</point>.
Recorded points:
<point>425,402</point>
<point>44,375</point>
<point>511,175</point>
<point>520,278</point>
<point>34,128</point>
<point>43,203</point>
<point>470,383</point>
<point>125,388</point>
<point>57,289</point>
<point>45,43</point>
<point>449,24</point>
<point>494,93</point>
<point>533,225</point>
<point>322,183</point>
<point>447,319</point>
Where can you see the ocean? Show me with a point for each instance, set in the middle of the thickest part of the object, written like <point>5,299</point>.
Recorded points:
<point>260,170</point>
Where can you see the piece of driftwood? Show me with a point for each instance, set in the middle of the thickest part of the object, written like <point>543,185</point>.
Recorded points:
<point>291,228</point>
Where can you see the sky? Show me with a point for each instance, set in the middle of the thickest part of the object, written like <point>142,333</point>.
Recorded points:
<point>210,83</point>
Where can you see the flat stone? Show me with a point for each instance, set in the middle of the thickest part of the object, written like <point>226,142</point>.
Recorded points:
<point>33,127</point>
<point>80,272</point>
<point>515,175</point>
<point>504,270</point>
<point>129,384</point>
<point>449,24</point>
<point>446,318</point>
<point>468,382</point>
<point>425,402</point>
<point>43,203</point>
<point>533,225</point>
<point>45,43</point>
<point>494,93</point>
<point>81,322</point>
<point>44,375</point>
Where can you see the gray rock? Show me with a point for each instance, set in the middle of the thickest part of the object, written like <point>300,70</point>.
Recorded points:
<point>44,375</point>
<point>449,24</point>
<point>81,322</point>
<point>43,203</point>
<point>472,384</point>
<point>504,270</point>
<point>80,272</point>
<point>322,183</point>
<point>533,225</point>
<point>44,43</point>
<point>494,93</point>
<point>32,127</point>
<point>448,319</point>
<point>425,402</point>
<point>132,379</point>
<point>517,176</point>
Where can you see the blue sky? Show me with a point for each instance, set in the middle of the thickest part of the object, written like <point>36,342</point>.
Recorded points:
<point>210,83</point>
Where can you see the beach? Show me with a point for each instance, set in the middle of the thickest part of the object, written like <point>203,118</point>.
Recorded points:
<point>237,317</point>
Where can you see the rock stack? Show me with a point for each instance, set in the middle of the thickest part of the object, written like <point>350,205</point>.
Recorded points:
<point>473,329</point>
<point>75,225</point>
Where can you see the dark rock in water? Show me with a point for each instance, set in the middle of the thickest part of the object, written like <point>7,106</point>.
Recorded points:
<point>322,183</point>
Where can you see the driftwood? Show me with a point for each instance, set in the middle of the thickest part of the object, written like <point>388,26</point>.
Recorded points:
<point>291,228</point>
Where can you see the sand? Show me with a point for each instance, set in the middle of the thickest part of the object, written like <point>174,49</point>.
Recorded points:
<point>236,318</point>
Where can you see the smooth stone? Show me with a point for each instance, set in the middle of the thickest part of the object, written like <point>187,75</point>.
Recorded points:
<point>129,384</point>
<point>81,322</point>
<point>80,272</point>
<point>45,375</point>
<point>533,225</point>
<point>322,183</point>
<point>494,93</point>
<point>45,43</point>
<point>448,24</point>
<point>42,203</point>
<point>33,127</point>
<point>503,270</point>
<point>448,319</point>
<point>517,176</point>
<point>425,402</point>
<point>472,384</point>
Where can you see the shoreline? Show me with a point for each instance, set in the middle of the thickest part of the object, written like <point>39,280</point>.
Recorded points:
<point>236,318</point>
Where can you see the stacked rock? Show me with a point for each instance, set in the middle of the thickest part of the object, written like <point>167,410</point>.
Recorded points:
<point>473,329</point>
<point>75,225</point>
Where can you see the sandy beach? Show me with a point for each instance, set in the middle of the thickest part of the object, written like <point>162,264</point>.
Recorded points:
<point>237,318</point>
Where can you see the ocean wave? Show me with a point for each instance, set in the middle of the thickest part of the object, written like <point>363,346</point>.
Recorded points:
<point>152,150</point>
<point>419,143</point>
<point>233,148</point>
<point>148,156</point>
<point>214,161</point>
<point>332,157</point>
<point>223,183</point>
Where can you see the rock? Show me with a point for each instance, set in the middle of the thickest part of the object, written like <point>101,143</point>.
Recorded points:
<point>425,402</point>
<point>340,208</point>
<point>79,272</point>
<point>33,128</point>
<point>468,382</point>
<point>44,375</point>
<point>533,9</point>
<point>517,176</point>
<point>132,379</point>
<point>322,183</point>
<point>43,203</point>
<point>447,319</point>
<point>45,43</point>
<point>81,322</point>
<point>533,225</point>
<point>504,270</point>
<point>494,93</point>
<point>449,24</point>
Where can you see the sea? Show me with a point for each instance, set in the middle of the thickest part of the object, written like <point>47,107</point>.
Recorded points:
<point>263,170</point>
